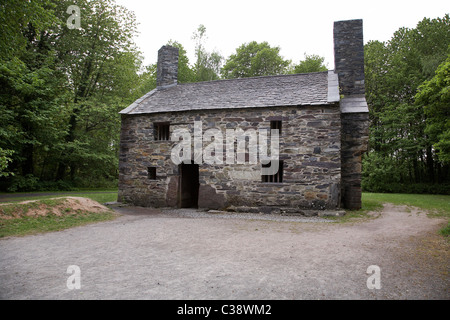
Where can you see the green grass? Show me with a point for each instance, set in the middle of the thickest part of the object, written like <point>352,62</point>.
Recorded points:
<point>436,205</point>
<point>446,230</point>
<point>21,209</point>
<point>368,205</point>
<point>30,225</point>
<point>110,196</point>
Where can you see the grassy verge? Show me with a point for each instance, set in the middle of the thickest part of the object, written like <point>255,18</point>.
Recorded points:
<point>55,215</point>
<point>31,225</point>
<point>100,196</point>
<point>435,205</point>
<point>368,205</point>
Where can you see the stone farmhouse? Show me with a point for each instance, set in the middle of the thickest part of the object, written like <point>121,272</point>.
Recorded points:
<point>321,120</point>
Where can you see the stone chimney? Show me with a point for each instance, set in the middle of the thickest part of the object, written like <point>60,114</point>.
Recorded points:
<point>349,56</point>
<point>349,65</point>
<point>167,69</point>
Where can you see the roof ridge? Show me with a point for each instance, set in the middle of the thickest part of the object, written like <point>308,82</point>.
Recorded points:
<point>252,78</point>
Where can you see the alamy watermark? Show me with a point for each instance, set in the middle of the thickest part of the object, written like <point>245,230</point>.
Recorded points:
<point>374,281</point>
<point>74,20</point>
<point>238,146</point>
<point>74,280</point>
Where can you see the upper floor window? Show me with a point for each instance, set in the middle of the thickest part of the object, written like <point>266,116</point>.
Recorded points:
<point>162,131</point>
<point>276,124</point>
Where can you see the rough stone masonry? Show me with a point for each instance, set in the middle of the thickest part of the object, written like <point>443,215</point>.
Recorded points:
<point>322,118</point>
<point>349,65</point>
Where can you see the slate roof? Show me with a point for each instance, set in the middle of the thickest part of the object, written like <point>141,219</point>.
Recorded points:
<point>320,88</point>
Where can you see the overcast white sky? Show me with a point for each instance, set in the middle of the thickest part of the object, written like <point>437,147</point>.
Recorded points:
<point>295,26</point>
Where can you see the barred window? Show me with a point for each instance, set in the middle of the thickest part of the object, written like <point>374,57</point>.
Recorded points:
<point>162,131</point>
<point>277,177</point>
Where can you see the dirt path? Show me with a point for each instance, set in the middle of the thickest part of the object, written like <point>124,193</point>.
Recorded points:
<point>148,254</point>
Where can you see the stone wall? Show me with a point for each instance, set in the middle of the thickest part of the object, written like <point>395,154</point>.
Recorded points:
<point>355,137</point>
<point>309,147</point>
<point>349,64</point>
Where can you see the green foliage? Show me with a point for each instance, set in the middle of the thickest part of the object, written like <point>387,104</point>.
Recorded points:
<point>434,95</point>
<point>17,16</point>
<point>207,66</point>
<point>446,230</point>
<point>255,59</point>
<point>4,160</point>
<point>408,142</point>
<point>24,183</point>
<point>378,172</point>
<point>61,90</point>
<point>186,74</point>
<point>29,98</point>
<point>311,63</point>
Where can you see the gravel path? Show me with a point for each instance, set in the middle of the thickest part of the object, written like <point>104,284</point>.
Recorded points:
<point>190,213</point>
<point>185,254</point>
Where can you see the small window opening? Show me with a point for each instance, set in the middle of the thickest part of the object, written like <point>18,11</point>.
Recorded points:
<point>151,171</point>
<point>275,178</point>
<point>276,124</point>
<point>162,131</point>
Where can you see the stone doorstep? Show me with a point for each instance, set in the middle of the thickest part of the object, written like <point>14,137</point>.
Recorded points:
<point>284,211</point>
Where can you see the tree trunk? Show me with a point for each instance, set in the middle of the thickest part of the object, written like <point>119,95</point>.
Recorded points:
<point>27,164</point>
<point>430,164</point>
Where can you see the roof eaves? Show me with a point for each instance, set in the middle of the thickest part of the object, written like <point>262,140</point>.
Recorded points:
<point>136,103</point>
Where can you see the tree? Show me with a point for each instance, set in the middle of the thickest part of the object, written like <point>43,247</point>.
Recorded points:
<point>186,73</point>
<point>25,73</point>
<point>61,90</point>
<point>255,59</point>
<point>400,128</point>
<point>207,65</point>
<point>4,160</point>
<point>30,93</point>
<point>17,16</point>
<point>311,63</point>
<point>434,95</point>
<point>101,62</point>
